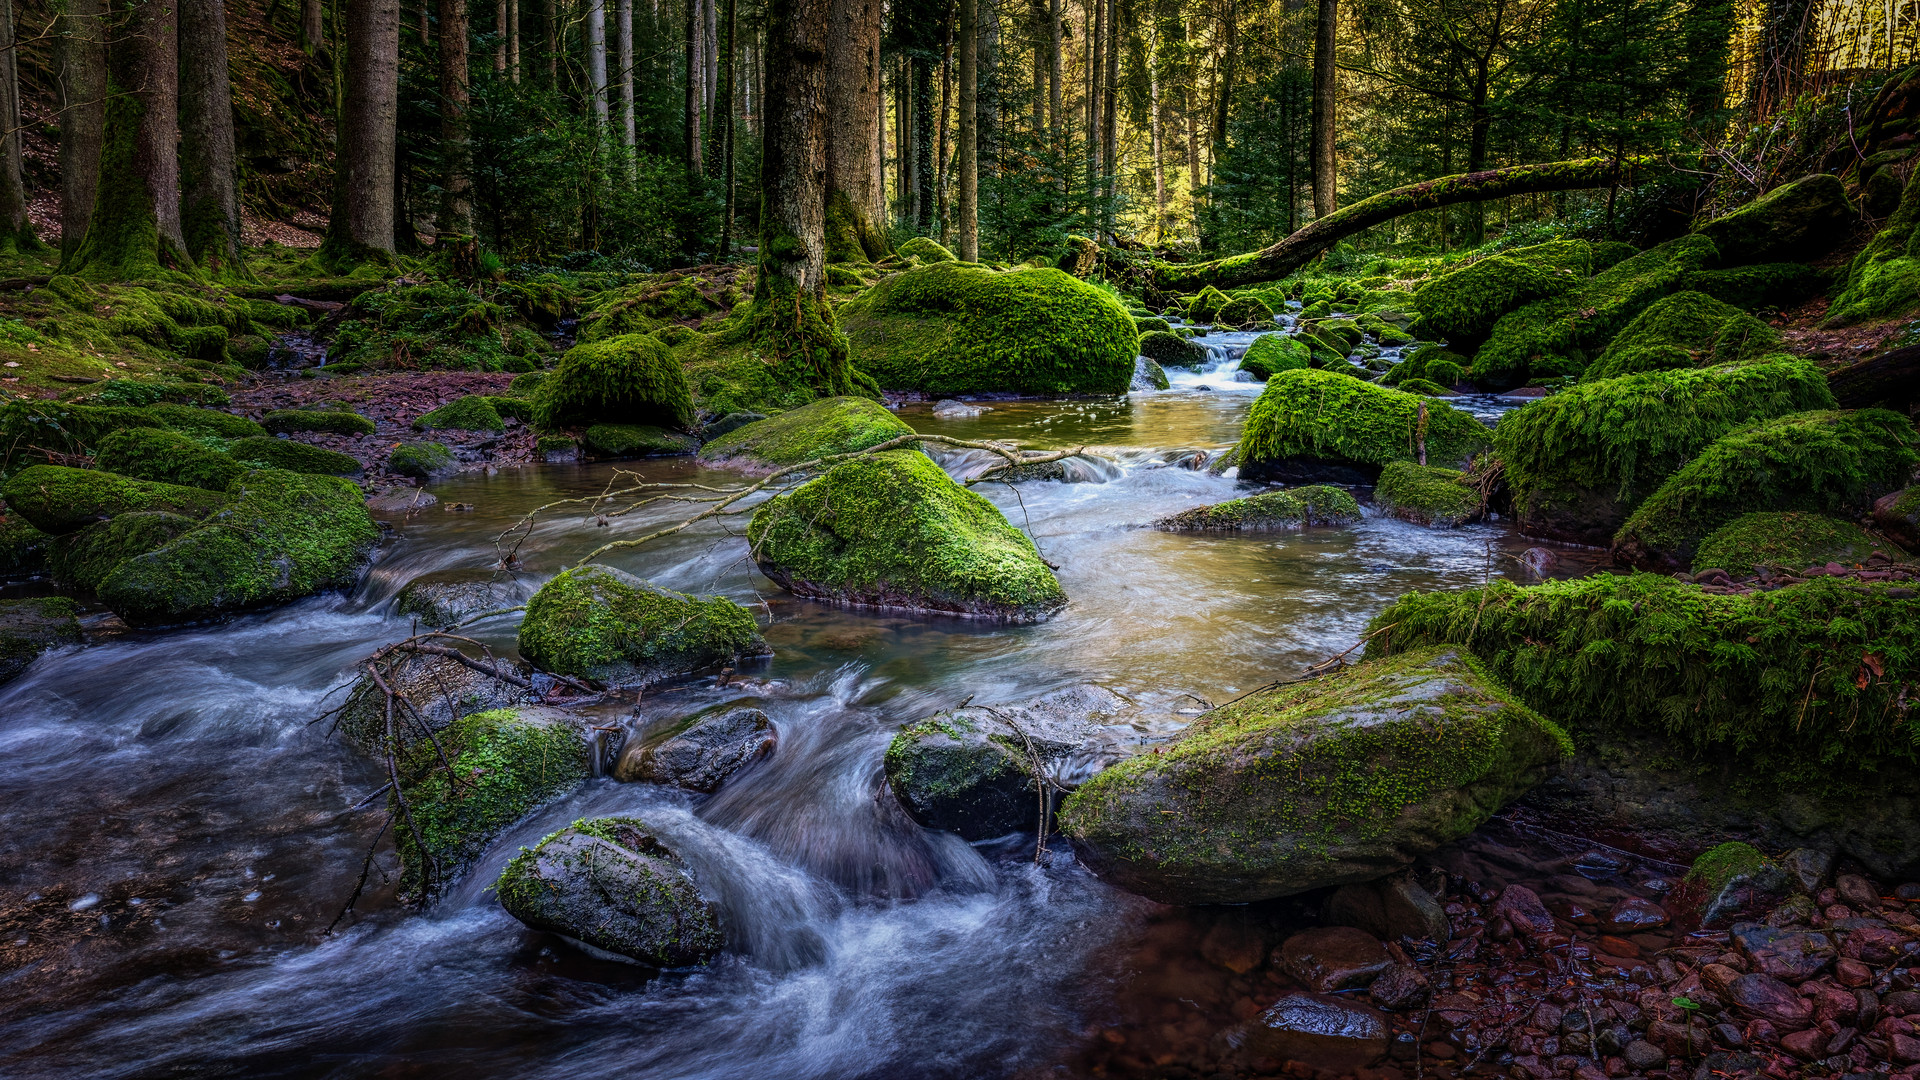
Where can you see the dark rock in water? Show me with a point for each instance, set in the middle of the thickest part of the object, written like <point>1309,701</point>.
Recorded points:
<point>1763,997</point>
<point>1390,908</point>
<point>1148,375</point>
<point>1328,1033</point>
<point>733,421</point>
<point>610,884</point>
<point>1521,907</point>
<point>31,627</point>
<point>1400,987</point>
<point>401,500</point>
<point>1784,954</point>
<point>1332,958</point>
<point>1235,946</point>
<point>1808,867</point>
<point>437,690</point>
<point>974,771</point>
<point>446,598</point>
<point>701,755</point>
<point>1634,914</point>
<point>1539,559</point>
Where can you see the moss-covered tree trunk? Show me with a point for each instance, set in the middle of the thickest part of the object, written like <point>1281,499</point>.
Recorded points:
<point>16,232</point>
<point>134,231</point>
<point>209,189</point>
<point>856,211</point>
<point>792,324</point>
<point>80,78</point>
<point>362,226</point>
<point>311,34</point>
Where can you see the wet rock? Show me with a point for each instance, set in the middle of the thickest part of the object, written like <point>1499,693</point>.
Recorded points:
<point>1763,997</point>
<point>1148,375</point>
<point>1333,958</point>
<point>1784,954</point>
<point>1879,946</point>
<point>1325,1032</point>
<point>1794,910</point>
<point>1791,223</point>
<point>1643,1056</point>
<point>839,425</point>
<point>973,771</point>
<point>1391,908</point>
<point>1633,915</point>
<point>729,423</point>
<point>1898,516</point>
<point>32,626</point>
<point>1235,946</point>
<point>1334,780</point>
<point>1539,560</point>
<point>401,500</point>
<point>1522,909</point>
<point>953,409</point>
<point>1808,867</point>
<point>1292,509</point>
<point>446,598</point>
<point>600,623</point>
<point>701,754</point>
<point>437,690</point>
<point>1678,1040</point>
<point>1312,426</point>
<point>1400,987</point>
<point>1857,891</point>
<point>611,885</point>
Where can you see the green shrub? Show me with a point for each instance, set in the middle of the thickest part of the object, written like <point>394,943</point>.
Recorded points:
<point>623,380</point>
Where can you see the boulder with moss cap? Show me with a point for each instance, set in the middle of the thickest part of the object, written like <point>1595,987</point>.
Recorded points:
<point>1310,426</point>
<point>1785,540</point>
<point>894,530</point>
<point>1271,354</point>
<point>1428,495</point>
<point>1295,508</point>
<point>58,500</point>
<point>1687,329</point>
<point>1343,778</point>
<point>1792,223</point>
<point>599,623</point>
<point>266,452</point>
<point>838,425</point>
<point>629,379</point>
<point>167,457</point>
<point>31,626</point>
<point>1171,350</point>
<point>1463,305</point>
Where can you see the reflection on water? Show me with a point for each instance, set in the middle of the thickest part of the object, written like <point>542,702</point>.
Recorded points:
<point>177,780</point>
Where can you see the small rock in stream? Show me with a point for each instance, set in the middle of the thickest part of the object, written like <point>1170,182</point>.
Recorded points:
<point>1333,958</point>
<point>703,753</point>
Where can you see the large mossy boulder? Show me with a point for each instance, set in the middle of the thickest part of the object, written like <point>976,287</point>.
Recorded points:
<point>1578,462</point>
<point>629,379</point>
<point>84,559</point>
<point>1463,305</point>
<point>838,425</point>
<point>1783,540</point>
<point>59,500</point>
<point>475,412</point>
<point>1884,279</point>
<point>954,328</point>
<point>611,885</point>
<point>1271,354</point>
<point>1171,350</point>
<point>1295,508</point>
<point>1244,312</point>
<point>1752,288</point>
<point>978,771</point>
<point>1792,223</point>
<point>599,623</point>
<point>1687,329</point>
<point>1428,495</point>
<point>1827,462</point>
<point>266,452</point>
<point>1313,426</point>
<point>1205,305</point>
<point>167,457</point>
<point>280,536</point>
<point>637,441</point>
<point>331,421</point>
<point>894,530</point>
<point>1343,778</point>
<point>500,764</point>
<point>1772,716</point>
<point>1558,335</point>
<point>30,627</point>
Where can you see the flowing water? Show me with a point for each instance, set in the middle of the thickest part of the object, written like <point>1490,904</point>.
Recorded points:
<point>179,834</point>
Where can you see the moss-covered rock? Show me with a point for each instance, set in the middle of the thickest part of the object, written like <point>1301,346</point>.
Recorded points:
<point>894,530</point>
<point>1575,257</point>
<point>280,536</point>
<point>925,249</point>
<point>1827,462</point>
<point>1244,311</point>
<point>30,627</point>
<point>1146,324</point>
<point>1321,425</point>
<point>1578,462</point>
<point>1884,279</point>
<point>1172,350</point>
<point>630,379</point>
<point>1898,516</point>
<point>952,328</point>
<point>23,548</point>
<point>58,500</point>
<point>1434,363</point>
<point>266,452</point>
<point>1792,223</point>
<point>1295,508</point>
<point>611,885</point>
<point>1753,288</point>
<point>1427,495</point>
<point>474,412</point>
<point>1343,778</point>
<point>446,598</point>
<point>505,763</point>
<point>83,559</point>
<point>423,461</point>
<point>839,425</point>
<point>637,440</point>
<point>167,457</point>
<point>437,690</point>
<point>1687,329</point>
<point>1462,306</point>
<point>328,421</point>
<point>1148,375</point>
<point>604,624</point>
<point>1271,354</point>
<point>1783,540</point>
<point>202,422</point>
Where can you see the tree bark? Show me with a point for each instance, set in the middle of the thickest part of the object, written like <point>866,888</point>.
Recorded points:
<point>513,40</point>
<point>942,222</point>
<point>312,29</point>
<point>134,232</point>
<point>456,148</point>
<point>500,37</point>
<point>969,131</point>
<point>1326,196</point>
<point>596,29</point>
<point>209,187</point>
<point>1110,118</point>
<point>16,231</point>
<point>710,40</point>
<point>691,105</point>
<point>80,75</point>
<point>1037,11</point>
<point>1229,71</point>
<point>1054,118</point>
<point>552,32</point>
<point>1279,260</point>
<point>1096,43</point>
<point>856,202</point>
<point>729,29</point>
<point>623,36</point>
<point>363,218</point>
<point>1154,134</point>
<point>922,146</point>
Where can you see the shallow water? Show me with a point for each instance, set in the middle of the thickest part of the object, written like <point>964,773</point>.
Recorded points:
<point>180,834</point>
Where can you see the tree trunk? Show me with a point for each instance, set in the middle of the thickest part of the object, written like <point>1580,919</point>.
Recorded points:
<point>500,37</point>
<point>312,32</point>
<point>513,40</point>
<point>856,203</point>
<point>623,36</point>
<point>1229,71</point>
<point>80,75</point>
<point>691,104</point>
<point>1096,45</point>
<point>792,324</point>
<point>1153,131</point>
<point>16,231</point>
<point>923,146</point>
<point>596,30</point>
<point>1110,110</point>
<point>969,131</point>
<point>209,191</point>
<point>1279,260</point>
<point>552,30</point>
<point>134,232</point>
<point>902,142</point>
<point>456,149</point>
<point>710,40</point>
<point>1326,195</point>
<point>1037,11</point>
<point>730,30</point>
<point>942,221</point>
<point>1054,117</point>
<point>362,224</point>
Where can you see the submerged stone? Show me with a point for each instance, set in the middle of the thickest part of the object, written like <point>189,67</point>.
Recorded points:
<point>32,626</point>
<point>1390,908</point>
<point>1291,509</point>
<point>604,624</point>
<point>438,690</point>
<point>837,425</point>
<point>1333,958</point>
<point>1325,1032</point>
<point>1310,426</point>
<point>703,753</point>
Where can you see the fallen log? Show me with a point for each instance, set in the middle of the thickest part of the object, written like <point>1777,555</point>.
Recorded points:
<point>1889,381</point>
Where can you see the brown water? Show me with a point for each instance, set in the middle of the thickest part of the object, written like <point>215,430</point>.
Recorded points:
<point>179,834</point>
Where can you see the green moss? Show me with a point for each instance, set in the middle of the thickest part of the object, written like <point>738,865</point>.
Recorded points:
<point>648,306</point>
<point>638,440</point>
<point>30,627</point>
<point>59,500</point>
<point>1292,509</point>
<point>84,559</point>
<point>894,530</point>
<point>1465,304</point>
<point>23,548</point>
<point>1769,687</point>
<point>1754,288</point>
<point>471,413</point>
<point>926,250</point>
<point>1433,363</point>
<point>1324,417</point>
<point>503,766</point>
<point>1829,462</point>
<point>1149,323</point>
<point>1717,867</point>
<point>436,325</point>
<point>512,408</point>
<point>166,456</point>
<point>1784,540</point>
<point>1205,307</point>
<point>1171,350</point>
<point>526,385</point>
<point>202,423</point>
<point>1425,495</point>
<point>622,380</point>
<point>1884,279</point>
<point>271,453</point>
<point>1687,329</point>
<point>1790,223</point>
<point>1608,254</point>
<point>1271,354</point>
<point>1574,257</point>
<point>599,623</point>
<point>422,461</point>
<point>839,425</point>
<point>329,421</point>
<point>1244,310</point>
<point>549,446</point>
<point>956,329</point>
<point>138,392</point>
